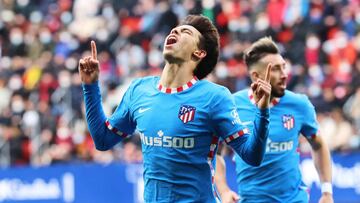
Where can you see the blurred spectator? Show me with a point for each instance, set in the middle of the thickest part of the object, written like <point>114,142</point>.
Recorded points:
<point>131,150</point>
<point>5,94</point>
<point>352,109</point>
<point>41,107</point>
<point>336,130</point>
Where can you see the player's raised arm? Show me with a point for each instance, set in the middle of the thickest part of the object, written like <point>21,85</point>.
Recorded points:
<point>250,148</point>
<point>253,149</point>
<point>103,133</point>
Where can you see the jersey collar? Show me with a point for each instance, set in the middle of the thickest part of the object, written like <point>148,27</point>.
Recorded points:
<point>273,102</point>
<point>168,90</point>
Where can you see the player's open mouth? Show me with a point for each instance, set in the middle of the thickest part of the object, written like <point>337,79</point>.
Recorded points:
<point>171,40</point>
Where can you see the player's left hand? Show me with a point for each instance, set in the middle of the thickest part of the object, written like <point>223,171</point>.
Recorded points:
<point>262,90</point>
<point>326,198</point>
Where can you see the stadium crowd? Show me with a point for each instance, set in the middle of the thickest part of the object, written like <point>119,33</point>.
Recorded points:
<point>41,103</point>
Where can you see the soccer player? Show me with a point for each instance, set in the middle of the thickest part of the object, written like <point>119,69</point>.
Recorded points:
<point>278,178</point>
<point>177,116</point>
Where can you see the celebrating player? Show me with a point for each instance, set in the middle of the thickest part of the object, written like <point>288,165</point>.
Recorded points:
<point>278,178</point>
<point>177,115</point>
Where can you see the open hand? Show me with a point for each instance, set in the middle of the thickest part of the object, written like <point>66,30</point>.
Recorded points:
<point>89,66</point>
<point>262,90</point>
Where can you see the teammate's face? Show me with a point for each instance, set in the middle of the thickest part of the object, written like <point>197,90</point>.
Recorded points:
<point>278,75</point>
<point>181,43</point>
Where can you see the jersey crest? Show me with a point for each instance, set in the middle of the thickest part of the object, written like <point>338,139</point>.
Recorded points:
<point>186,113</point>
<point>288,121</point>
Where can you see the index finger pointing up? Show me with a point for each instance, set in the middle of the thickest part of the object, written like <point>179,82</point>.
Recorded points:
<point>268,73</point>
<point>93,50</point>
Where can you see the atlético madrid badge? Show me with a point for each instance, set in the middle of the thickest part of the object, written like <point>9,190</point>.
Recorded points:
<point>288,121</point>
<point>186,113</point>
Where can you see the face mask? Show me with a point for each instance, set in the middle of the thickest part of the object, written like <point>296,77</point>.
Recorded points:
<point>15,83</point>
<point>102,34</point>
<point>7,15</point>
<point>108,12</point>
<point>312,42</point>
<point>64,80</point>
<point>63,132</point>
<point>208,4</point>
<point>221,71</point>
<point>22,3</point>
<point>36,17</point>
<point>341,41</point>
<point>17,106</point>
<point>66,17</point>
<point>262,23</point>
<point>16,37</point>
<point>357,18</point>
<point>155,57</point>
<point>5,61</point>
<point>244,25</point>
<point>71,63</point>
<point>45,37</point>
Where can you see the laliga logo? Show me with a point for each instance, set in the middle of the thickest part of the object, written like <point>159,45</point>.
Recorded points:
<point>236,117</point>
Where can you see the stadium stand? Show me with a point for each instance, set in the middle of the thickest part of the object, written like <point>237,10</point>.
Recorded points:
<point>41,107</point>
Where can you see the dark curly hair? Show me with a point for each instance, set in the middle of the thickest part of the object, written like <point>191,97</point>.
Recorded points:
<point>209,41</point>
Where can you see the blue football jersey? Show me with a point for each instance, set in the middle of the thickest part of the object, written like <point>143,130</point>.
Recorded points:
<point>177,128</point>
<point>278,178</point>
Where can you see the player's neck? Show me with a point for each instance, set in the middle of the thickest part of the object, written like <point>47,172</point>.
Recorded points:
<point>176,75</point>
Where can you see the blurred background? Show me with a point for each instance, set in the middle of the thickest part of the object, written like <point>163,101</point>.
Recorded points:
<point>42,123</point>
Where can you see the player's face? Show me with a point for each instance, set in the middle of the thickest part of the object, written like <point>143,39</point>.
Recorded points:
<point>181,43</point>
<point>278,77</point>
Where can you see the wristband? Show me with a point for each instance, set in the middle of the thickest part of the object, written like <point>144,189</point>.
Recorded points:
<point>326,187</point>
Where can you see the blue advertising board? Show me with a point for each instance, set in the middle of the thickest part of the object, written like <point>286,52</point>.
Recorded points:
<point>117,182</point>
<point>91,183</point>
<point>346,177</point>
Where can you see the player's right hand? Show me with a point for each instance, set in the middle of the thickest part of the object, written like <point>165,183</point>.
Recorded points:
<point>262,89</point>
<point>326,198</point>
<point>229,197</point>
<point>89,66</point>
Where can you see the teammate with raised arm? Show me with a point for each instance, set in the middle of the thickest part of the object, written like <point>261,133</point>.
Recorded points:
<point>177,116</point>
<point>278,178</point>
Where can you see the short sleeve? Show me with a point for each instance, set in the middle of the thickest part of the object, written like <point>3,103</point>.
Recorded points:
<point>309,127</point>
<point>121,119</point>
